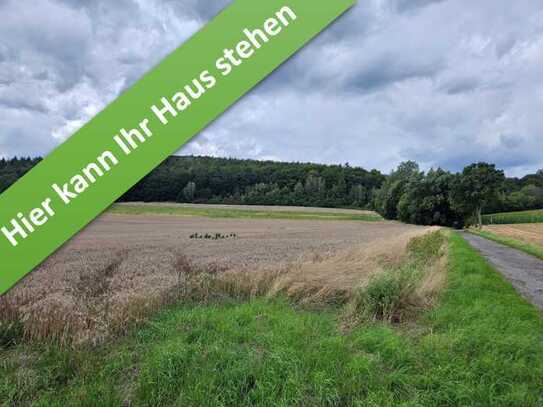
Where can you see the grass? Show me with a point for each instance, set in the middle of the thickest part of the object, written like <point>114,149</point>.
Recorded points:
<point>240,213</point>
<point>531,249</point>
<point>508,218</point>
<point>481,346</point>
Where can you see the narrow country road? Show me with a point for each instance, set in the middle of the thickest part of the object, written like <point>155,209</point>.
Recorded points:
<point>524,271</point>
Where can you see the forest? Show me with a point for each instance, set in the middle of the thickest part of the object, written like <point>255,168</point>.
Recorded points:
<point>436,197</point>
<point>13,169</point>
<point>231,181</point>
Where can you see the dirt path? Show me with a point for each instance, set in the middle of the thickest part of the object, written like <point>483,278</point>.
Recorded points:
<point>524,271</point>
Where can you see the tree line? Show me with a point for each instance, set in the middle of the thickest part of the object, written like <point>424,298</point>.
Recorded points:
<point>435,197</point>
<point>231,181</point>
<point>13,169</point>
<point>439,197</point>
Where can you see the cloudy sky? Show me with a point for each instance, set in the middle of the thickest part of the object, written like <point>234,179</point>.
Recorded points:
<point>442,82</point>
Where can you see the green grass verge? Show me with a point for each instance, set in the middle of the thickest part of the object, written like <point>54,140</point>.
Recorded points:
<point>531,249</point>
<point>508,218</point>
<point>482,346</point>
<point>240,213</point>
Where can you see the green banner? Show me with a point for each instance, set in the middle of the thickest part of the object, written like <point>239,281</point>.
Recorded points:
<point>149,122</point>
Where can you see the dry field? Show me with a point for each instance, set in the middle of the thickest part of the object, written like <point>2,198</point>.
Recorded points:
<point>123,267</point>
<point>531,233</point>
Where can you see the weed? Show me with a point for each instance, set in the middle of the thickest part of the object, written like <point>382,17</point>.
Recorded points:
<point>427,248</point>
<point>388,297</point>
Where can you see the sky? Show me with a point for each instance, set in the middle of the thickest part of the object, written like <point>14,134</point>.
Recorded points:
<point>442,82</point>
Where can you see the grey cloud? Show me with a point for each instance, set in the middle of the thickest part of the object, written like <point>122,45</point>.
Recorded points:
<point>201,9</point>
<point>445,82</point>
<point>388,69</point>
<point>11,101</point>
<point>23,133</point>
<point>461,85</point>
<point>408,5</point>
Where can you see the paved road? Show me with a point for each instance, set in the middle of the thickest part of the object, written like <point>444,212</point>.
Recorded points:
<point>524,271</point>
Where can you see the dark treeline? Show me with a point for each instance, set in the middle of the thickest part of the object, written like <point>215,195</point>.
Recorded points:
<point>436,197</point>
<point>13,169</point>
<point>231,181</point>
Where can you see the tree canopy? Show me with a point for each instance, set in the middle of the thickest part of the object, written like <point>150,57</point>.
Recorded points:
<point>439,197</point>
<point>474,189</point>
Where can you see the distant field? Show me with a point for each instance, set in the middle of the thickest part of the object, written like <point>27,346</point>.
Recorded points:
<point>529,233</point>
<point>526,237</point>
<point>514,217</point>
<point>245,212</point>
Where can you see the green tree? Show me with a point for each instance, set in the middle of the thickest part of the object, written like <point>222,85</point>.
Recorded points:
<point>315,184</point>
<point>189,192</point>
<point>387,199</point>
<point>359,195</point>
<point>426,200</point>
<point>477,186</point>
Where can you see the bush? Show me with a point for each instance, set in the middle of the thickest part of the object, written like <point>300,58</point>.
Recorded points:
<point>426,249</point>
<point>388,296</point>
<point>394,296</point>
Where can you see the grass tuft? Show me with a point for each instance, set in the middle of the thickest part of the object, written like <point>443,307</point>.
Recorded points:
<point>388,297</point>
<point>396,295</point>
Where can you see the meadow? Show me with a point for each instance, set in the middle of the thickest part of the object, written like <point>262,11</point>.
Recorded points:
<point>440,327</point>
<point>245,212</point>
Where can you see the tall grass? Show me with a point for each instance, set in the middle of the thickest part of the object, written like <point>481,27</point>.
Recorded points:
<point>401,292</point>
<point>508,218</point>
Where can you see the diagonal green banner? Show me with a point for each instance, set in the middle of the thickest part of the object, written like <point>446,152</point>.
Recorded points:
<point>149,122</point>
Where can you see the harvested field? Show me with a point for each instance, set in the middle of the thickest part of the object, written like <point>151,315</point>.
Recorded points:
<point>531,233</point>
<point>121,268</point>
<point>257,241</point>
